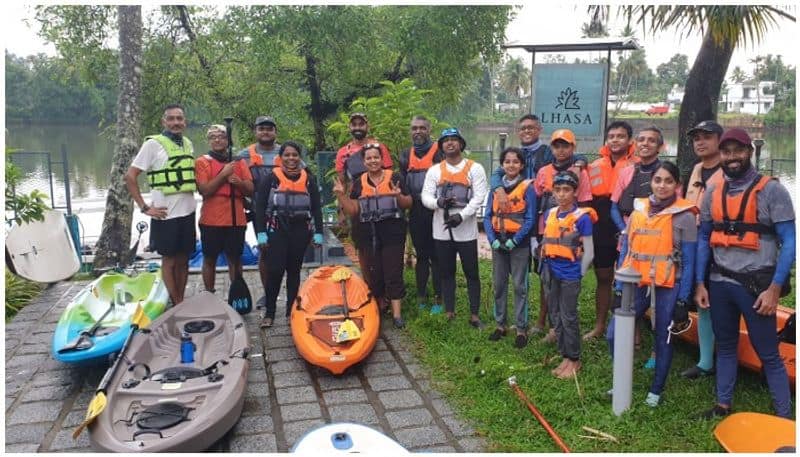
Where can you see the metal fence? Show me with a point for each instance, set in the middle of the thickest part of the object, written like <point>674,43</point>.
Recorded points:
<point>38,168</point>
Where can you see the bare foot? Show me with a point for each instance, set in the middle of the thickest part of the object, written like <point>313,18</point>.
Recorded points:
<point>550,337</point>
<point>557,370</point>
<point>593,334</point>
<point>570,371</point>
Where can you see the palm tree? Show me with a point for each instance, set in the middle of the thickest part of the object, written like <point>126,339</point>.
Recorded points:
<point>723,29</point>
<point>738,75</point>
<point>515,78</point>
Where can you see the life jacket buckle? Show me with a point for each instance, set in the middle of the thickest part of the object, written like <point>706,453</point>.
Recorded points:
<point>731,228</point>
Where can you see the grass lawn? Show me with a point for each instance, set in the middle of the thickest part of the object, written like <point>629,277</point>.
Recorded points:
<point>457,354</point>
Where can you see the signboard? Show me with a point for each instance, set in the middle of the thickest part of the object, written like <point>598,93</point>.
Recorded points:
<point>571,96</point>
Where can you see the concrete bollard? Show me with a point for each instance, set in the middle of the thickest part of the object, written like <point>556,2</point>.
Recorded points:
<point>624,323</point>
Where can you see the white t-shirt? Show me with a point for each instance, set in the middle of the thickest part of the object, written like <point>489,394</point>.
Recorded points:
<point>468,229</point>
<point>152,156</point>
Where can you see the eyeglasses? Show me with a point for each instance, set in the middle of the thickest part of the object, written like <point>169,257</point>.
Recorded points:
<point>217,137</point>
<point>529,128</point>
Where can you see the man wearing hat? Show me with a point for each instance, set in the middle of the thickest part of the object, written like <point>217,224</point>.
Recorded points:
<point>455,190</point>
<point>359,129</point>
<point>705,141</point>
<point>747,224</point>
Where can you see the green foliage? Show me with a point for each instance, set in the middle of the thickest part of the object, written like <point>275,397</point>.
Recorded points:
<point>780,116</point>
<point>19,292</point>
<point>24,208</point>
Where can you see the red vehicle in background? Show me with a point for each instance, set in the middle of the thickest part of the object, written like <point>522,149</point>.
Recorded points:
<point>657,109</point>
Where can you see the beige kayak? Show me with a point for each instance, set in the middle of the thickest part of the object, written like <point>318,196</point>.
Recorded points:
<point>157,402</point>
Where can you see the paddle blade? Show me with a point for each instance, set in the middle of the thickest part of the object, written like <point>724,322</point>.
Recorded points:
<point>348,331</point>
<point>139,318</point>
<point>96,406</point>
<point>239,296</point>
<point>342,274</point>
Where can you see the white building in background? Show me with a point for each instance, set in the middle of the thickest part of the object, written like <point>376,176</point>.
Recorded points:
<point>675,95</point>
<point>749,98</point>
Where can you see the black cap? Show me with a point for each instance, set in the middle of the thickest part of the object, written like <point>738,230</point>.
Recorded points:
<point>706,126</point>
<point>261,120</point>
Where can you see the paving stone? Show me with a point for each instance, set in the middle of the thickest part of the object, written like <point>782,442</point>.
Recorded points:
<point>395,399</point>
<point>409,418</point>
<point>20,374</point>
<point>420,436</point>
<point>274,355</point>
<point>406,356</point>
<point>256,363</point>
<point>457,427</point>
<point>282,341</point>
<point>73,419</point>
<point>380,345</point>
<point>32,360</point>
<point>26,433</point>
<point>292,378</point>
<point>381,368</point>
<point>300,411</point>
<point>255,376</point>
<point>83,399</point>
<point>292,431</point>
<point>338,397</point>
<point>264,443</point>
<point>57,378</point>
<point>474,444</point>
<point>254,424</point>
<point>53,364</point>
<point>417,371</point>
<point>278,329</point>
<point>40,411</point>
<point>257,389</point>
<point>436,449</point>
<point>30,349</point>
<point>381,383</point>
<point>441,407</point>
<point>63,440</point>
<point>285,366</point>
<point>22,448</point>
<point>47,393</point>
<point>256,406</point>
<point>425,387</point>
<point>362,413</point>
<point>289,395</point>
<point>381,356</point>
<point>338,382</point>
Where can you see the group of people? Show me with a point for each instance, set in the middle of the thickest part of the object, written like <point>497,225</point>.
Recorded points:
<point>725,241</point>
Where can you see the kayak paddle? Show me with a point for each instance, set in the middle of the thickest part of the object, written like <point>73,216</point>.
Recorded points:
<point>239,295</point>
<point>348,330</point>
<point>99,401</point>
<point>84,339</point>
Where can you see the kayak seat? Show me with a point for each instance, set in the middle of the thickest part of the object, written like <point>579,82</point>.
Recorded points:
<point>176,374</point>
<point>325,330</point>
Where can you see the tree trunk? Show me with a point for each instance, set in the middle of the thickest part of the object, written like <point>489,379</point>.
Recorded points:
<point>115,238</point>
<point>315,110</point>
<point>701,95</point>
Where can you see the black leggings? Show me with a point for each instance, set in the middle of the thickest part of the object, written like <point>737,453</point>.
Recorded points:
<point>468,252</point>
<point>420,227</point>
<point>285,254</point>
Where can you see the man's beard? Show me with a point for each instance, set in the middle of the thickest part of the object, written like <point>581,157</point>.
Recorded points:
<point>358,134</point>
<point>744,168</point>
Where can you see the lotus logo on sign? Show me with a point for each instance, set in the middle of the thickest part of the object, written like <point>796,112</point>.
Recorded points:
<point>571,97</point>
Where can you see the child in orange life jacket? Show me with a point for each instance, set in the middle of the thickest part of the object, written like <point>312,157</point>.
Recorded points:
<point>508,232</point>
<point>567,252</point>
<point>660,243</point>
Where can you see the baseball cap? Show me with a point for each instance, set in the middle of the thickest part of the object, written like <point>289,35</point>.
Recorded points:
<point>563,134</point>
<point>361,115</point>
<point>260,120</point>
<point>706,126</point>
<point>738,135</point>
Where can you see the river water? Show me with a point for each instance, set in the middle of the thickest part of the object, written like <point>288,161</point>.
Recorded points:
<point>89,160</point>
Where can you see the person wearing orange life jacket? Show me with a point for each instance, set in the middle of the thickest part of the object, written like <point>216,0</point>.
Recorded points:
<point>378,199</point>
<point>660,242</point>
<point>288,212</point>
<point>615,155</point>
<point>217,177</point>
<point>705,141</point>
<point>747,223</point>
<point>349,164</point>
<point>563,145</point>
<point>566,252</point>
<point>455,191</point>
<point>508,232</point>
<point>414,164</point>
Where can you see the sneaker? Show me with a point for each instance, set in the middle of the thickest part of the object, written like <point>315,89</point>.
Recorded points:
<point>437,309</point>
<point>696,372</point>
<point>266,322</point>
<point>477,324</point>
<point>652,399</point>
<point>497,334</point>
<point>716,411</point>
<point>650,364</point>
<point>521,341</point>
<point>423,306</point>
<point>398,322</point>
<point>610,392</point>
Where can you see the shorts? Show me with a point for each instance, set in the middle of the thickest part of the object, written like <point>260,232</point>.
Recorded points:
<point>218,239</point>
<point>605,256</point>
<point>170,237</point>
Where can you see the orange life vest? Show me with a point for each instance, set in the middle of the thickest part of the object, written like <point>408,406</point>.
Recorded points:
<point>290,198</point>
<point>225,189</point>
<point>744,230</point>
<point>511,221</point>
<point>456,185</point>
<point>417,167</point>
<point>603,175</point>
<point>257,160</point>
<point>378,203</point>
<point>561,237</point>
<point>696,187</point>
<point>650,249</point>
<point>546,200</point>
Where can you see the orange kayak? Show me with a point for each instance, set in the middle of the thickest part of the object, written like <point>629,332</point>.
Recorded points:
<point>747,355</point>
<point>318,314</point>
<point>756,432</point>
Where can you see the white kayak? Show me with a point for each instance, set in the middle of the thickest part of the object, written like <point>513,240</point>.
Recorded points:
<point>42,251</point>
<point>346,438</point>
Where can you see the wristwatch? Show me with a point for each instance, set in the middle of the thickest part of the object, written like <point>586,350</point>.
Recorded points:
<point>145,208</point>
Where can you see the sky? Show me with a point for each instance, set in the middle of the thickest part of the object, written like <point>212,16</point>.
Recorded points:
<point>542,22</point>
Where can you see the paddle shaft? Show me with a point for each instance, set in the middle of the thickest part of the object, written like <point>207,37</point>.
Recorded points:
<point>96,325</point>
<point>344,299</point>
<point>229,129</point>
<point>111,371</point>
<point>540,418</point>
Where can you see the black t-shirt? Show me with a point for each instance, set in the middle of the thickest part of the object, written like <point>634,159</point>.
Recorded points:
<point>387,232</point>
<point>706,173</point>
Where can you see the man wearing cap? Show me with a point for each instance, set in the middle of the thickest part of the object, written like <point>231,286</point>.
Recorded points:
<point>217,178</point>
<point>455,191</point>
<point>348,163</point>
<point>562,144</point>
<point>705,141</point>
<point>414,164</point>
<point>747,224</point>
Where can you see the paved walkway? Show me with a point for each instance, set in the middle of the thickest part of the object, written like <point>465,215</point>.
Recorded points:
<point>286,397</point>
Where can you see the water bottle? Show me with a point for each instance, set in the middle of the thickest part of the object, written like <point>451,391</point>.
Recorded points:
<point>119,295</point>
<point>187,348</point>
